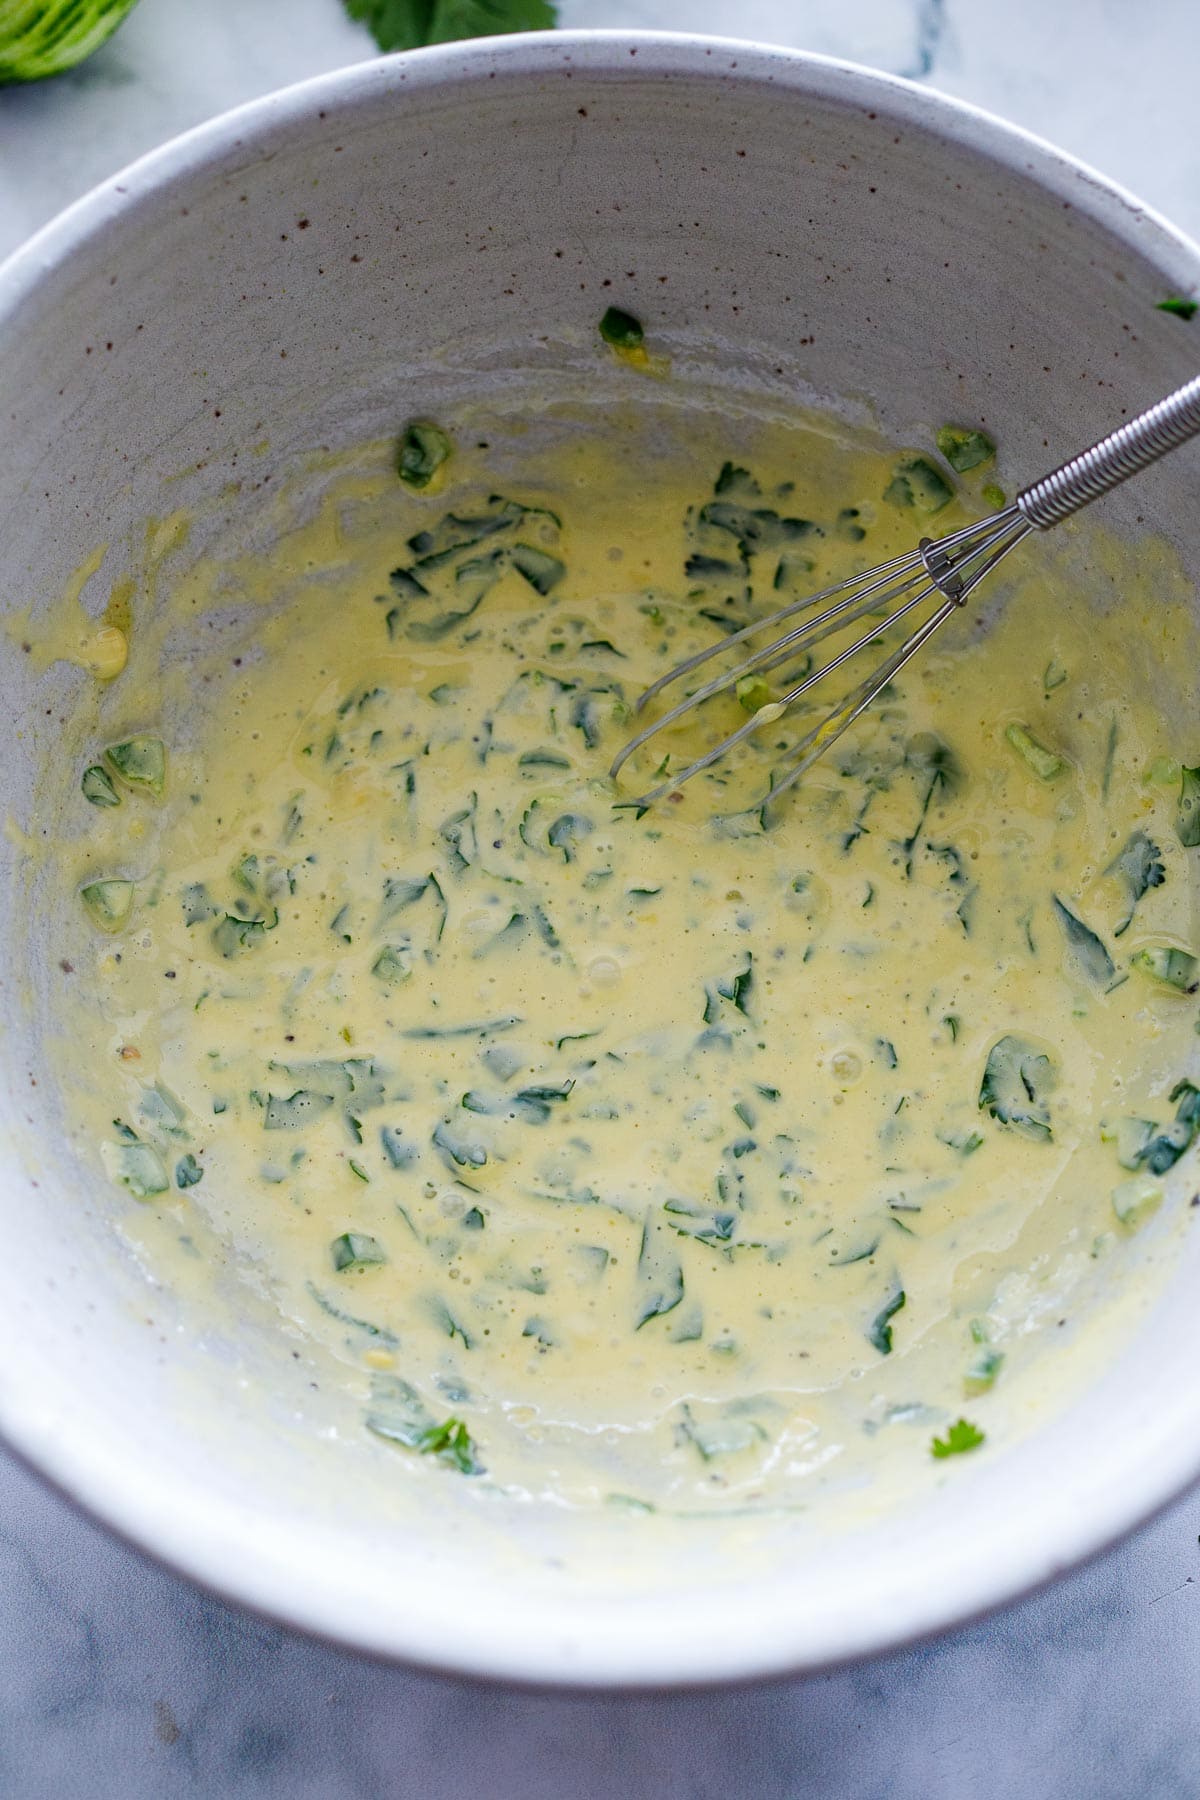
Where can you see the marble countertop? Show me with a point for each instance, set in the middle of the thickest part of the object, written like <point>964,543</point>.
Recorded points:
<point>117,1679</point>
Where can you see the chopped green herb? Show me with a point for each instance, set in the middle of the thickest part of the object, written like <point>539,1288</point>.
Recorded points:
<point>541,570</point>
<point>1179,305</point>
<point>1139,867</point>
<point>188,1172</point>
<point>98,788</point>
<point>964,448</point>
<point>1187,823</point>
<point>961,1437</point>
<point>451,1443</point>
<point>1088,949</point>
<point>621,329</point>
<point>983,1371</point>
<point>356,1250</point>
<point>1135,1200</point>
<point>879,1332</point>
<point>136,1166</point>
<point>140,762</point>
<point>393,965</point>
<point>1016,1081</point>
<point>398,1414</point>
<point>421,452</point>
<point>294,1111</point>
<point>918,484</point>
<point>659,1275</point>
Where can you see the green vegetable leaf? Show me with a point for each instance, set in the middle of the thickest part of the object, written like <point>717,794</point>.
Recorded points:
<point>407,24</point>
<point>961,1437</point>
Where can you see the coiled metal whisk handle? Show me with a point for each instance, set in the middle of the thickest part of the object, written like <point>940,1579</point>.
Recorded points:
<point>1114,459</point>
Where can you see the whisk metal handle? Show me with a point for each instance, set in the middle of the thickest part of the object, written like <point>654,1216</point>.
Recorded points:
<point>1114,459</point>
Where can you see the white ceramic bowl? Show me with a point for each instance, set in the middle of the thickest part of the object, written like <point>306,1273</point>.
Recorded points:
<point>288,274</point>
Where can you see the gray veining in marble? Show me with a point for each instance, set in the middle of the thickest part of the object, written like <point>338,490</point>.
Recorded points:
<point>118,1680</point>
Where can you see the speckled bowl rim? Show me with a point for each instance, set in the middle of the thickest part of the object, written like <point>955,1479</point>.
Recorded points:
<point>81,1470</point>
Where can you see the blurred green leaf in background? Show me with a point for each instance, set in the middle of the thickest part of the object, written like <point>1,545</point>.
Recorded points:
<point>407,24</point>
<point>44,37</point>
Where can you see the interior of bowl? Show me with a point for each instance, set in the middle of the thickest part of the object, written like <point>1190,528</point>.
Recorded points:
<point>296,279</point>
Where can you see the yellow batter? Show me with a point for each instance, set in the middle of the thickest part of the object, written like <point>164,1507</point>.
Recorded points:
<point>675,1156</point>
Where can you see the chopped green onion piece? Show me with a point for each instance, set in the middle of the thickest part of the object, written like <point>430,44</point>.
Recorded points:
<point>753,693</point>
<point>993,496</point>
<point>109,902</point>
<point>1174,968</point>
<point>1046,764</point>
<point>188,1172</point>
<point>1135,1200</point>
<point>140,762</point>
<point>138,1167</point>
<point>983,1371</point>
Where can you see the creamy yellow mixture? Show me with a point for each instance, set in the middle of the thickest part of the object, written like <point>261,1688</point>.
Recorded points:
<point>680,1155</point>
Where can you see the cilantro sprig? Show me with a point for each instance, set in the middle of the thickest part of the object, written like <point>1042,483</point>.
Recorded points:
<point>408,24</point>
<point>961,1437</point>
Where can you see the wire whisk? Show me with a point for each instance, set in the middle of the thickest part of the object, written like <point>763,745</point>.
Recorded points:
<point>940,574</point>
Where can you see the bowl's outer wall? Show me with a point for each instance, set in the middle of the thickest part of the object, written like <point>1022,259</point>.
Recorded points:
<point>278,279</point>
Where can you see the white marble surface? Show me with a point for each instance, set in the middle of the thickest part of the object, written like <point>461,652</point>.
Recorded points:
<point>116,1679</point>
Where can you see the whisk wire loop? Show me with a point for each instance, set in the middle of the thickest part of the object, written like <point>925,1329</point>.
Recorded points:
<point>944,569</point>
<point>949,568</point>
